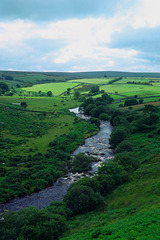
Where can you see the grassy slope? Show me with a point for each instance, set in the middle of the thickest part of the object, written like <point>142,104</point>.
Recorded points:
<point>132,210</point>
<point>55,88</point>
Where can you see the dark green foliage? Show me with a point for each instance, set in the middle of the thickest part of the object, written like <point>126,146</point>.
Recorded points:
<point>151,115</point>
<point>141,101</point>
<point>24,104</point>
<point>98,110</point>
<point>9,77</point>
<point>95,121</point>
<point>77,94</point>
<point>49,94</point>
<point>81,162</point>
<point>128,160</point>
<point>124,146</point>
<point>107,98</point>
<point>115,80</point>
<point>130,102</point>
<point>104,117</point>
<point>115,171</point>
<point>81,198</point>
<point>117,136</point>
<point>107,183</point>
<point>88,108</point>
<point>139,125</point>
<point>34,224</point>
<point>94,90</point>
<point>93,183</point>
<point>4,87</point>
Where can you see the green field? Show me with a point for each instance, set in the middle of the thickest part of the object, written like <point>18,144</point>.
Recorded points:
<point>92,80</point>
<point>132,90</point>
<point>55,88</point>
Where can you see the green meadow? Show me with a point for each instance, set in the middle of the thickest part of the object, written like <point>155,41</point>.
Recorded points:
<point>55,88</point>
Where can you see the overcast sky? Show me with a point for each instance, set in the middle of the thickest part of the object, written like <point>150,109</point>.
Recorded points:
<point>80,35</point>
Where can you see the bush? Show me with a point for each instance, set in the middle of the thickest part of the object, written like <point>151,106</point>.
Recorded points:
<point>118,135</point>
<point>104,117</point>
<point>95,121</point>
<point>81,162</point>
<point>81,199</point>
<point>115,170</point>
<point>130,102</point>
<point>129,161</point>
<point>124,146</point>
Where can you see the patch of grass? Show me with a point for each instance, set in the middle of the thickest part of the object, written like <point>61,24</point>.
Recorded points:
<point>55,88</point>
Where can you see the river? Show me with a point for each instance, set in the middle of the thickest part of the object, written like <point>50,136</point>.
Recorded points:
<point>96,146</point>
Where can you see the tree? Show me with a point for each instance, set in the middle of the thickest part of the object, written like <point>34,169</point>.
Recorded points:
<point>4,87</point>
<point>94,89</point>
<point>117,136</point>
<point>9,78</point>
<point>130,102</point>
<point>124,146</point>
<point>104,116</point>
<point>49,94</point>
<point>24,104</point>
<point>95,121</point>
<point>129,161</point>
<point>76,94</point>
<point>150,112</point>
<point>68,90</point>
<point>115,170</point>
<point>107,98</point>
<point>81,162</point>
<point>81,199</point>
<point>141,101</point>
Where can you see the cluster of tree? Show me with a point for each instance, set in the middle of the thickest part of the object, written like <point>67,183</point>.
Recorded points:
<point>31,223</point>
<point>115,80</point>
<point>94,90</point>
<point>140,83</point>
<point>81,162</point>
<point>97,108</point>
<point>3,88</point>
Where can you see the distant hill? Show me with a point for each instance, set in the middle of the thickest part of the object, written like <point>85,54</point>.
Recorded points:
<point>25,79</point>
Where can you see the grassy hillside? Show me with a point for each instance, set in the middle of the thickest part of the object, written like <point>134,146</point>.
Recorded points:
<point>131,211</point>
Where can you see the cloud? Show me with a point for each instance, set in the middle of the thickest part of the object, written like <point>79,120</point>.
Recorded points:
<point>69,35</point>
<point>147,15</point>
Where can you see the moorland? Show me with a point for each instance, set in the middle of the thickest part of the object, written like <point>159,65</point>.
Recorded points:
<point>38,135</point>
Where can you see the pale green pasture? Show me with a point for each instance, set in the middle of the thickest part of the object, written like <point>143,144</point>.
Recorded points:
<point>63,125</point>
<point>142,80</point>
<point>55,88</point>
<point>132,90</point>
<point>50,104</point>
<point>92,80</point>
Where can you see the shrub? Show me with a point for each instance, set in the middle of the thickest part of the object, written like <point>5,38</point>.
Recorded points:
<point>81,162</point>
<point>104,116</point>
<point>95,121</point>
<point>115,170</point>
<point>129,161</point>
<point>117,136</point>
<point>81,199</point>
<point>124,146</point>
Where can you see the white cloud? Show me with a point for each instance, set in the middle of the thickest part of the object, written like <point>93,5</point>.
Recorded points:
<point>147,15</point>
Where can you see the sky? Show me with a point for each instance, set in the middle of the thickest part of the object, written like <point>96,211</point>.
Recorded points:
<point>80,35</point>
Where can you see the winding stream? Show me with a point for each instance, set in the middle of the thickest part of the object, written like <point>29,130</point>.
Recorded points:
<point>96,146</point>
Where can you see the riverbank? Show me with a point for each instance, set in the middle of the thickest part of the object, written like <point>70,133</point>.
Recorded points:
<point>96,146</point>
